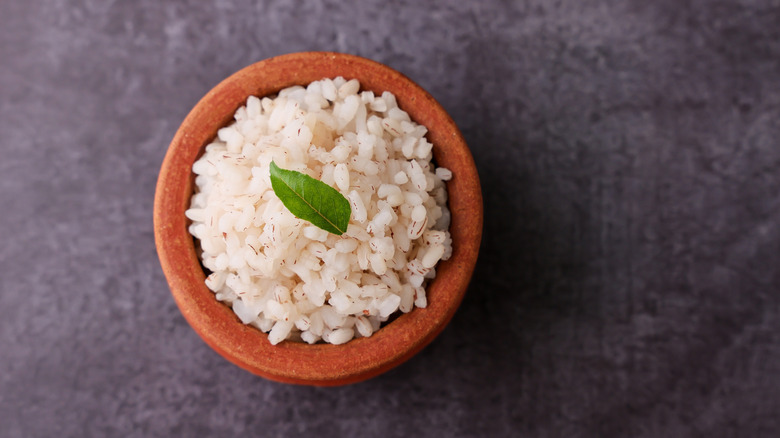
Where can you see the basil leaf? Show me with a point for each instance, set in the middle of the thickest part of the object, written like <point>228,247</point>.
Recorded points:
<point>311,200</point>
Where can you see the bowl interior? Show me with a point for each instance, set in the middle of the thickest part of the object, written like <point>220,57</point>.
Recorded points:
<point>293,362</point>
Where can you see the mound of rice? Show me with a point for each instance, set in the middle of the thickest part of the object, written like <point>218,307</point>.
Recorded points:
<point>289,278</point>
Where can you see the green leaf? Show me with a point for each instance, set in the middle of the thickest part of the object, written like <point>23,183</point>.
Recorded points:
<point>311,200</point>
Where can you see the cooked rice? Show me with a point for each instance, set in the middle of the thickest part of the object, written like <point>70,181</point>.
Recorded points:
<point>289,278</point>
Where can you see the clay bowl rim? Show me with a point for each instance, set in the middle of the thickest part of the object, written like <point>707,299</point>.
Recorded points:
<point>300,363</point>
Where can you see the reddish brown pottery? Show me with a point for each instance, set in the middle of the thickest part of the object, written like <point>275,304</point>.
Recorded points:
<point>293,362</point>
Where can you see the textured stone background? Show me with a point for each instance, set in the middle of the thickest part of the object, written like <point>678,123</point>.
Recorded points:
<point>628,281</point>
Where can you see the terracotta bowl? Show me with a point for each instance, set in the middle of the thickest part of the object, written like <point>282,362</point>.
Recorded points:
<point>293,362</point>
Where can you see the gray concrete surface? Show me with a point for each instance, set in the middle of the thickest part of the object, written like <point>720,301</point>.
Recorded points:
<point>628,284</point>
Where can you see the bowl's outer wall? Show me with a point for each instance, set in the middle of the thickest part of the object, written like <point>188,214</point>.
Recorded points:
<point>319,364</point>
